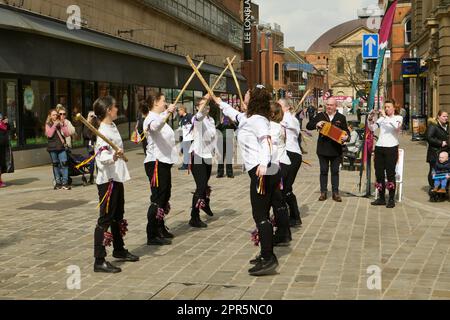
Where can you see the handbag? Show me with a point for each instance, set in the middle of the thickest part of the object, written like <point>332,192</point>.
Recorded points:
<point>63,140</point>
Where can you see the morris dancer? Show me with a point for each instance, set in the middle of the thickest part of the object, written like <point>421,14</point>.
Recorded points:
<point>295,155</point>
<point>202,149</point>
<point>161,156</point>
<point>254,140</point>
<point>280,158</point>
<point>386,151</point>
<point>112,174</point>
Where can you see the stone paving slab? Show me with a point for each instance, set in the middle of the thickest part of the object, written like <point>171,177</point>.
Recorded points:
<point>43,232</point>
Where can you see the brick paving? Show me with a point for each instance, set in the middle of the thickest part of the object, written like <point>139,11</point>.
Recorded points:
<point>43,232</point>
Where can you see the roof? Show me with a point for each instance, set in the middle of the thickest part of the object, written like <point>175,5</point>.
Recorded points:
<point>24,22</point>
<point>322,44</point>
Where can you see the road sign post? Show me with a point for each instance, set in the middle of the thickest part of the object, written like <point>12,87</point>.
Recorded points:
<point>370,46</point>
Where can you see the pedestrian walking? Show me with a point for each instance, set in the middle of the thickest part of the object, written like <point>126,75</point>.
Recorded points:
<point>6,159</point>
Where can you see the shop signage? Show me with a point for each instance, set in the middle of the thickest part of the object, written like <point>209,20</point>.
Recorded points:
<point>410,68</point>
<point>247,39</point>
<point>221,86</point>
<point>28,98</point>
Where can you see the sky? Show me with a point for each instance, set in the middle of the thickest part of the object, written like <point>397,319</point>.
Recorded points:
<point>303,21</point>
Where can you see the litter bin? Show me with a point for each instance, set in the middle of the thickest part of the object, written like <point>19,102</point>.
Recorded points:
<point>419,127</point>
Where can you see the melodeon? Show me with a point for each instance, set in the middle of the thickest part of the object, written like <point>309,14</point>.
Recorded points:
<point>333,132</point>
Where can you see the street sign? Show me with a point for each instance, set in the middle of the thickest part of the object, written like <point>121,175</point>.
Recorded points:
<point>370,46</point>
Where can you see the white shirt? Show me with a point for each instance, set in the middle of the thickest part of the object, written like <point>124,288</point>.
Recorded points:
<point>389,131</point>
<point>292,126</point>
<point>108,169</point>
<point>204,133</point>
<point>253,136</point>
<point>160,138</point>
<point>187,132</point>
<point>279,152</point>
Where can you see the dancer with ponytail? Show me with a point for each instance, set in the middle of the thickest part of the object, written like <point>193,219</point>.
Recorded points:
<point>202,149</point>
<point>161,156</point>
<point>255,144</point>
<point>112,174</point>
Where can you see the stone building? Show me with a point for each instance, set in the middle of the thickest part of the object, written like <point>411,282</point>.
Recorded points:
<point>126,48</point>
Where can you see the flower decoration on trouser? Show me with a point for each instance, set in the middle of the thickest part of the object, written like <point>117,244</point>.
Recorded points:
<point>123,226</point>
<point>379,186</point>
<point>161,213</point>
<point>255,237</point>
<point>201,204</point>
<point>390,186</point>
<point>107,239</point>
<point>282,184</point>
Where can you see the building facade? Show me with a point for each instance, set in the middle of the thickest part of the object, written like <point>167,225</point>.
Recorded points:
<point>430,90</point>
<point>125,48</point>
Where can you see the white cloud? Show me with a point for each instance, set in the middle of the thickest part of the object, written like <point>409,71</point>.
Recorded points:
<point>303,21</point>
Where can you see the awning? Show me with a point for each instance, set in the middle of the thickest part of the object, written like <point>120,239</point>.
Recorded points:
<point>31,23</point>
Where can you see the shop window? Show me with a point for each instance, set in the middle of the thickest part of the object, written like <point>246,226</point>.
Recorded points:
<point>8,107</point>
<point>61,93</point>
<point>76,106</point>
<point>188,101</point>
<point>37,103</point>
<point>103,89</point>
<point>121,94</point>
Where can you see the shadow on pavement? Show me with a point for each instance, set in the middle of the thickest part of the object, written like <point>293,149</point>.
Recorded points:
<point>22,182</point>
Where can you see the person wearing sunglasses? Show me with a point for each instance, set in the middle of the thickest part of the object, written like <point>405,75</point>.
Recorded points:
<point>62,113</point>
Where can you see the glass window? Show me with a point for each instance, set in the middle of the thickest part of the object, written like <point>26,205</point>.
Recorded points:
<point>408,32</point>
<point>76,106</point>
<point>121,94</point>
<point>151,91</point>
<point>277,71</point>
<point>37,103</point>
<point>168,94</point>
<point>103,89</point>
<point>61,92</point>
<point>8,107</point>
<point>359,63</point>
<point>340,65</point>
<point>188,101</point>
<point>89,97</point>
<point>207,11</point>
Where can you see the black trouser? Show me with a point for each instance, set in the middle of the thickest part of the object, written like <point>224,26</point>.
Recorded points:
<point>289,175</point>
<point>201,170</point>
<point>160,195</point>
<point>430,175</point>
<point>110,215</point>
<point>261,205</point>
<point>325,164</point>
<point>385,162</point>
<point>279,205</point>
<point>226,157</point>
<point>144,145</point>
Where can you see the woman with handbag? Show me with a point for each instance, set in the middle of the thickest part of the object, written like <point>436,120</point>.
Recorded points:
<point>4,148</point>
<point>57,132</point>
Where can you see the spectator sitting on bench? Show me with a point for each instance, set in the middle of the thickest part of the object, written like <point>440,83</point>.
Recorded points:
<point>352,147</point>
<point>441,173</point>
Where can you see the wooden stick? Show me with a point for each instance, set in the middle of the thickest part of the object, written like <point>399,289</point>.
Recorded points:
<point>303,100</point>
<point>200,77</point>
<point>188,82</point>
<point>79,117</point>
<point>222,74</point>
<point>230,65</point>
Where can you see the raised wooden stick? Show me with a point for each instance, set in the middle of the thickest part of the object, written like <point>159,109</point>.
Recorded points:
<point>222,74</point>
<point>303,100</point>
<point>79,117</point>
<point>188,82</point>
<point>200,77</point>
<point>230,65</point>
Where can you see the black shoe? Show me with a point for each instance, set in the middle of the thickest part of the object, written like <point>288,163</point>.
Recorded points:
<point>57,186</point>
<point>281,241</point>
<point>295,223</point>
<point>164,232</point>
<point>125,256</point>
<point>66,187</point>
<point>197,223</point>
<point>379,202</point>
<point>183,168</point>
<point>91,180</point>
<point>220,176</point>
<point>231,176</point>
<point>106,267</point>
<point>390,204</point>
<point>256,260</point>
<point>264,267</point>
<point>208,211</point>
<point>157,241</point>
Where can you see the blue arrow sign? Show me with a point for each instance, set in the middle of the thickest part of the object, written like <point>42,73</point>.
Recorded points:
<point>370,46</point>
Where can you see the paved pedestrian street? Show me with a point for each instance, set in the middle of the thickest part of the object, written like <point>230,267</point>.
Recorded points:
<point>46,235</point>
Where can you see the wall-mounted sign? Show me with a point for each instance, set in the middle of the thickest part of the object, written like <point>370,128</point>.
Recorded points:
<point>221,86</point>
<point>247,39</point>
<point>410,67</point>
<point>28,98</point>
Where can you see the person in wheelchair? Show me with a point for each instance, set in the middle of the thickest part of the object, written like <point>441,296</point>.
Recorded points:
<point>441,173</point>
<point>352,148</point>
